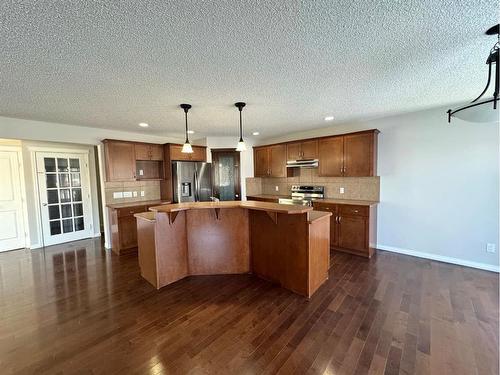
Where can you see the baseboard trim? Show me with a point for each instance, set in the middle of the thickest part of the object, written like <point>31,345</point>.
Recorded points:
<point>440,258</point>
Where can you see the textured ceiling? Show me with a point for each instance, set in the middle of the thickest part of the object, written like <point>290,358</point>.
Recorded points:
<point>113,64</point>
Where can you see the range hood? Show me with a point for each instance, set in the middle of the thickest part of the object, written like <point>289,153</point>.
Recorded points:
<point>303,163</point>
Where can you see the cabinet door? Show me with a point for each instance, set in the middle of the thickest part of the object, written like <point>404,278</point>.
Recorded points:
<point>353,233</point>
<point>120,161</point>
<point>309,149</point>
<point>331,155</point>
<point>128,232</point>
<point>293,151</point>
<point>359,155</point>
<point>177,154</point>
<point>142,151</point>
<point>199,154</point>
<point>261,162</point>
<point>333,208</point>
<point>277,160</point>
<point>156,152</point>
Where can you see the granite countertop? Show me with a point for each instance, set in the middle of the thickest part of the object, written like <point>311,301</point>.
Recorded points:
<point>357,202</point>
<point>313,216</point>
<point>251,205</point>
<point>136,203</point>
<point>148,216</point>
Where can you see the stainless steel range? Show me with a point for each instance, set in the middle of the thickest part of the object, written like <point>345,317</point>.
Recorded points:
<point>304,195</point>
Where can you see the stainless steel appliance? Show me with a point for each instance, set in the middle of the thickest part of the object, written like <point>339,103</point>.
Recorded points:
<point>302,163</point>
<point>304,195</point>
<point>192,181</point>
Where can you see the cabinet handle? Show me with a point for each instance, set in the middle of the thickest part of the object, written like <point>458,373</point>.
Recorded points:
<point>340,218</point>
<point>356,211</point>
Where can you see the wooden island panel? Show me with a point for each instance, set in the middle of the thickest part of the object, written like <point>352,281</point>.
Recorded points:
<point>218,245</point>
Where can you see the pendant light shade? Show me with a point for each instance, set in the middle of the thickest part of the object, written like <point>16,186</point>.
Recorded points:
<point>186,147</point>
<point>241,144</point>
<point>486,109</point>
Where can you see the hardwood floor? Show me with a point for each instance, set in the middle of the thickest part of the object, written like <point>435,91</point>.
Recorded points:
<point>77,308</point>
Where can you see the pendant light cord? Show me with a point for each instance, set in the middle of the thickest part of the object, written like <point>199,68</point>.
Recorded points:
<point>241,131</point>
<point>186,116</point>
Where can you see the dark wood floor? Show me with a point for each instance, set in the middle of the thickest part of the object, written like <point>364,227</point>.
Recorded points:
<point>79,309</point>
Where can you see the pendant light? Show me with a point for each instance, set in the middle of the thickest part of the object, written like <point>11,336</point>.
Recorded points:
<point>186,147</point>
<point>485,110</point>
<point>241,144</point>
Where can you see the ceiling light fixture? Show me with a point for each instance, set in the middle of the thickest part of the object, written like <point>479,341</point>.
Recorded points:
<point>186,147</point>
<point>329,118</point>
<point>255,133</point>
<point>143,125</point>
<point>485,110</point>
<point>241,144</point>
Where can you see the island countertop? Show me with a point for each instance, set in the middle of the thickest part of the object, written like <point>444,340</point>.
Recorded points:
<point>251,205</point>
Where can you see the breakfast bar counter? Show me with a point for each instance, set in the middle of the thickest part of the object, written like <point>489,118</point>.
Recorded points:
<point>285,244</point>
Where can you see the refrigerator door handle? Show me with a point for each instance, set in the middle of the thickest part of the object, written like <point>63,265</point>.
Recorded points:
<point>196,187</point>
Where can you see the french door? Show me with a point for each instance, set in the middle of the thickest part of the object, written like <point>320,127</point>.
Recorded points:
<point>64,192</point>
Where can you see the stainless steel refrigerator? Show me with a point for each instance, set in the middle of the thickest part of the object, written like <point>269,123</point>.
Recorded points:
<point>192,181</point>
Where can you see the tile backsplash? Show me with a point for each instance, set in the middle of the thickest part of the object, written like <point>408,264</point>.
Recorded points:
<point>363,188</point>
<point>130,191</point>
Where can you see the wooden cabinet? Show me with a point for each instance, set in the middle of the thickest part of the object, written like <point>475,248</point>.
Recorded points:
<point>302,150</point>
<point>261,162</point>
<point>331,156</point>
<point>353,228</point>
<point>119,160</point>
<point>199,153</point>
<point>148,151</point>
<point>270,161</point>
<point>350,155</point>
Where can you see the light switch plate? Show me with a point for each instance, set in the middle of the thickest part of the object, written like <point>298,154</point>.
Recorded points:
<point>277,188</point>
<point>142,193</point>
<point>141,172</point>
<point>491,248</point>
<point>341,190</point>
<point>134,193</point>
<point>127,194</point>
<point>117,195</point>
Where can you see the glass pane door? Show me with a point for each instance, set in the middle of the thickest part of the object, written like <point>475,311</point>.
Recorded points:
<point>62,181</point>
<point>226,174</point>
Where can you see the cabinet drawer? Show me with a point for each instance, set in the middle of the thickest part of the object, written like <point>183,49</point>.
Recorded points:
<point>353,210</point>
<point>130,211</point>
<point>329,207</point>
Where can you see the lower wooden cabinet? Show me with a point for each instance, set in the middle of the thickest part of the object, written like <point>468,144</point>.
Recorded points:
<point>353,228</point>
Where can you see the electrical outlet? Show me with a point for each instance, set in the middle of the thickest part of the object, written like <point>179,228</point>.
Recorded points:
<point>127,194</point>
<point>276,188</point>
<point>491,248</point>
<point>341,190</point>
<point>141,172</point>
<point>117,195</point>
<point>142,193</point>
<point>134,193</point>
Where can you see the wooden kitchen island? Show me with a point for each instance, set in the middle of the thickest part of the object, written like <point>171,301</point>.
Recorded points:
<point>285,244</point>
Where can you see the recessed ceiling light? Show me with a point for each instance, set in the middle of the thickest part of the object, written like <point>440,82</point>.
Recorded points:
<point>255,133</point>
<point>329,118</point>
<point>190,131</point>
<point>143,125</point>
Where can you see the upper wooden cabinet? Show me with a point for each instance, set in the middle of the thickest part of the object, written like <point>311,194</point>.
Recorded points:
<point>199,153</point>
<point>148,151</point>
<point>302,150</point>
<point>270,161</point>
<point>331,156</point>
<point>119,160</point>
<point>350,155</point>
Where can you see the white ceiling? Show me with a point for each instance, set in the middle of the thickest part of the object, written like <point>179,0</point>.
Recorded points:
<point>113,64</point>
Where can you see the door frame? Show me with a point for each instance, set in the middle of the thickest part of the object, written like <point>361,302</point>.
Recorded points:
<point>19,151</point>
<point>214,152</point>
<point>36,187</point>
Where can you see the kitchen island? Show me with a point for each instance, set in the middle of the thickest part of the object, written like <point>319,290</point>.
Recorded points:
<point>285,244</point>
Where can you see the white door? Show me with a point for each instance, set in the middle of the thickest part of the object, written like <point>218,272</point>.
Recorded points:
<point>11,205</point>
<point>64,188</point>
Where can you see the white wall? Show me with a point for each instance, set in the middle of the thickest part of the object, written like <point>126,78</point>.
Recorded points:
<point>439,185</point>
<point>246,157</point>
